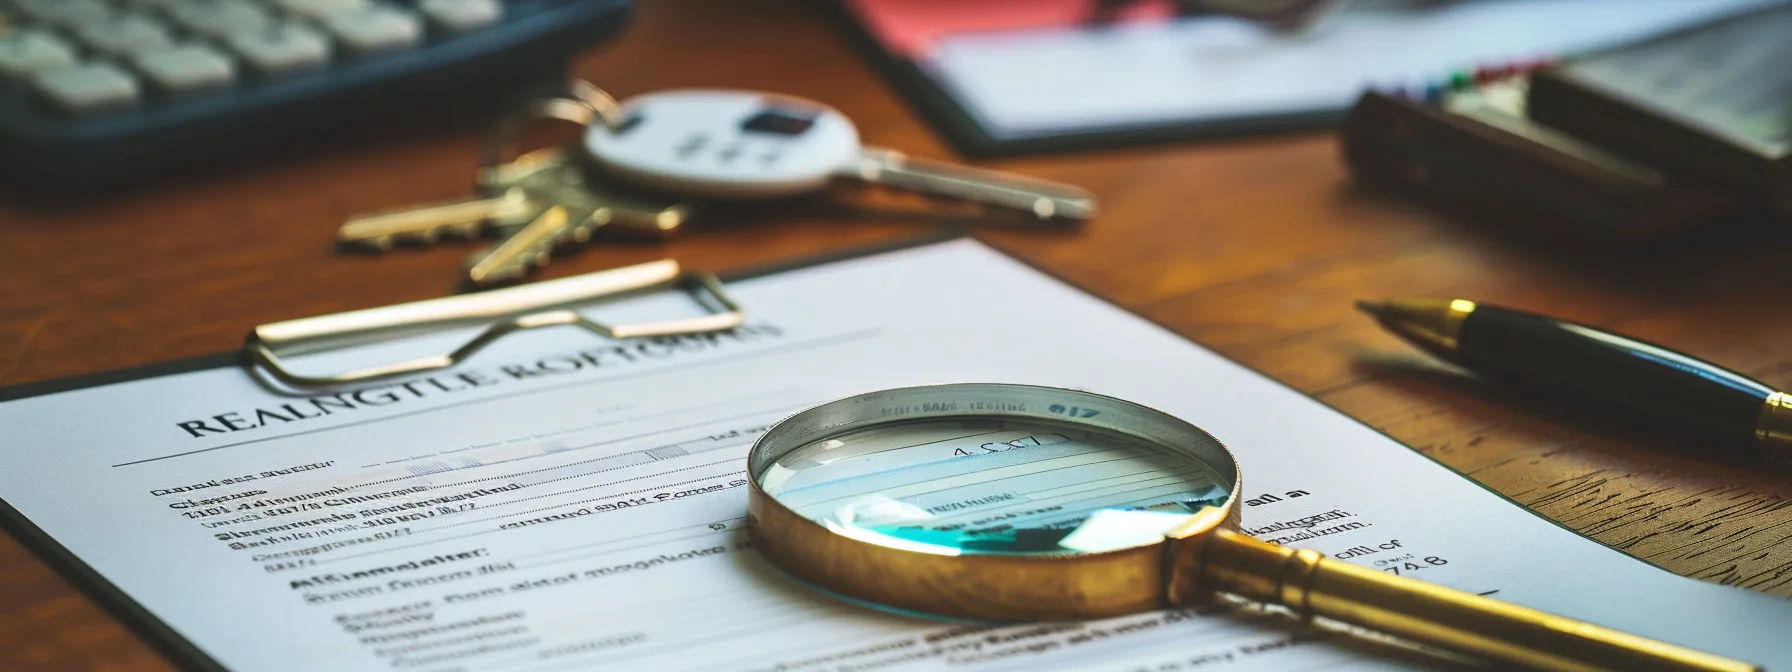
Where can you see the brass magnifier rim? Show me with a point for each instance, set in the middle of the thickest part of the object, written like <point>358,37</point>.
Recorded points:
<point>1201,556</point>
<point>992,587</point>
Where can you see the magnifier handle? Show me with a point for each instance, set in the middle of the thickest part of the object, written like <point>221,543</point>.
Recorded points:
<point>1485,628</point>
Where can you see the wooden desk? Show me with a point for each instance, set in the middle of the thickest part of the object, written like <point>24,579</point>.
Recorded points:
<point>1253,247</point>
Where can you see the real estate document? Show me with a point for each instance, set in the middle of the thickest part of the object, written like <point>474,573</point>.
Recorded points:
<point>565,502</point>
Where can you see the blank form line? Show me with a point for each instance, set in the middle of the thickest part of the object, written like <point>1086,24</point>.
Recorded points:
<point>593,473</point>
<point>547,508</point>
<point>512,515</point>
<point>583,447</point>
<point>636,547</point>
<point>581,661</point>
<point>697,428</point>
<point>775,350</point>
<point>580,547</point>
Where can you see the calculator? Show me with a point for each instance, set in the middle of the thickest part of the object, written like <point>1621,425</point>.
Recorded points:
<point>98,92</point>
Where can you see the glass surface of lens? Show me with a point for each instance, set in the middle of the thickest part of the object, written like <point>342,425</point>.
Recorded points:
<point>993,486</point>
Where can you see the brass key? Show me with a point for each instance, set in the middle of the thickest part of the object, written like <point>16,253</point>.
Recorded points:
<point>525,249</point>
<point>635,216</point>
<point>574,210</point>
<point>456,219</point>
<point>430,223</point>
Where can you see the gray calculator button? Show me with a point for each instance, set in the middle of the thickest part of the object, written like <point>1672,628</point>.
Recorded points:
<point>125,35</point>
<point>377,29</point>
<point>317,9</point>
<point>462,15</point>
<point>220,18</point>
<point>87,88</point>
<point>64,12</point>
<point>157,5</point>
<point>187,67</point>
<point>284,47</point>
<point>29,51</point>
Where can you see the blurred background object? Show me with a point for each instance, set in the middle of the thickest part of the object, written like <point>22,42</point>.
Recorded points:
<point>98,93</point>
<point>1282,14</point>
<point>1632,142</point>
<point>1014,76</point>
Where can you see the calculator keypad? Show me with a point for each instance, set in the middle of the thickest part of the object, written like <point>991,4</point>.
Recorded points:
<point>27,52</point>
<point>462,15</point>
<point>88,56</point>
<point>220,18</point>
<point>318,9</point>
<point>64,13</point>
<point>187,68</point>
<point>89,86</point>
<point>290,46</point>
<point>376,30</point>
<point>125,35</point>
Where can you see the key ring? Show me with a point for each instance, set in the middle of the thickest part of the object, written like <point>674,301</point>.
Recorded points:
<point>584,104</point>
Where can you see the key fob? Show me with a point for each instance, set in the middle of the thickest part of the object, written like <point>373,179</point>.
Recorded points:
<point>716,143</point>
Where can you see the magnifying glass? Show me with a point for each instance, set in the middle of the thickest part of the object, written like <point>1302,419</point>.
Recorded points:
<point>1018,503</point>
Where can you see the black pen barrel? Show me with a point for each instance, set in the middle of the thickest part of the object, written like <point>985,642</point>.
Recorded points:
<point>1612,370</point>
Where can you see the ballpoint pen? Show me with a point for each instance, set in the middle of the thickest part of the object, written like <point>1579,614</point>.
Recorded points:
<point>1616,371</point>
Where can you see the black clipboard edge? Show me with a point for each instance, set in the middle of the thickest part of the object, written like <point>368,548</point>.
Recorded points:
<point>125,375</point>
<point>965,133</point>
<point>185,653</point>
<point>135,617</point>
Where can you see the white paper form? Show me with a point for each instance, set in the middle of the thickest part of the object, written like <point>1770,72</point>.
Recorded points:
<point>563,502</point>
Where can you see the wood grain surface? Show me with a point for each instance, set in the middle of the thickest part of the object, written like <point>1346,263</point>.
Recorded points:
<point>1254,247</point>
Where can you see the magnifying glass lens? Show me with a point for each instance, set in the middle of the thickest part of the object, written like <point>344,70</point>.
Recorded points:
<point>994,486</point>
<point>1020,503</point>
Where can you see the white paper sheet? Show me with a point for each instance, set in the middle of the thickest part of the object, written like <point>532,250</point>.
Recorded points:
<point>568,503</point>
<point>1045,82</point>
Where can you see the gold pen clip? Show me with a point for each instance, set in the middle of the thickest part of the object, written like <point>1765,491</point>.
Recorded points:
<point>504,311</point>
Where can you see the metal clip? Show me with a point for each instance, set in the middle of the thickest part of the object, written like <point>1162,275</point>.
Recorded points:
<point>542,304</point>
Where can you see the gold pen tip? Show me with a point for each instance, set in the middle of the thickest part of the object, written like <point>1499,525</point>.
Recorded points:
<point>1373,308</point>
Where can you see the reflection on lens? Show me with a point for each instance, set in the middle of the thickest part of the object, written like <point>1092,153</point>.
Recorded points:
<point>956,487</point>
